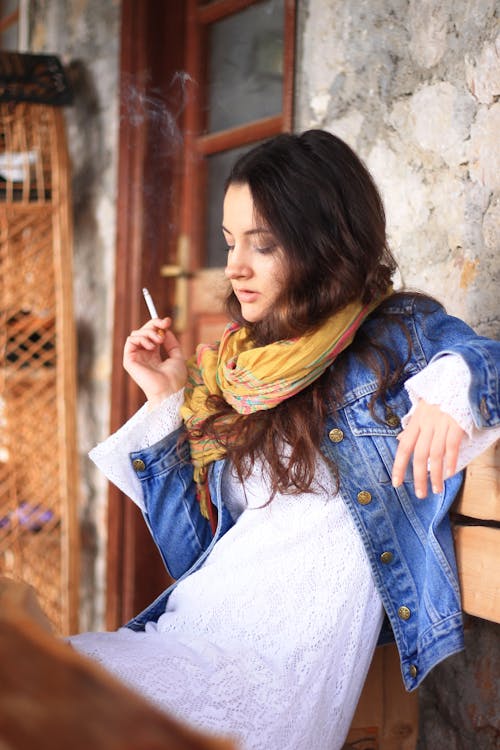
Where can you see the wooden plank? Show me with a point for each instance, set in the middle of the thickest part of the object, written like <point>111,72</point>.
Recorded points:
<point>289,65</point>
<point>369,710</point>
<point>400,724</point>
<point>9,20</point>
<point>480,494</point>
<point>225,140</point>
<point>478,559</point>
<point>216,11</point>
<point>67,378</point>
<point>147,225</point>
<point>386,717</point>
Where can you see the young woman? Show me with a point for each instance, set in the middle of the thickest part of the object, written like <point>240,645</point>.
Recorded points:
<point>284,471</point>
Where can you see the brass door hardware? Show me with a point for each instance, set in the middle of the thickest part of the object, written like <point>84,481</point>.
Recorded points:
<point>180,272</point>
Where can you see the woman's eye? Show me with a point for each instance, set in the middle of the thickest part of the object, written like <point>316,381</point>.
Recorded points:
<point>229,247</point>
<point>266,249</point>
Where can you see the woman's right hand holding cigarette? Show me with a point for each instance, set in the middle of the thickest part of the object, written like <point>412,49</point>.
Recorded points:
<point>153,358</point>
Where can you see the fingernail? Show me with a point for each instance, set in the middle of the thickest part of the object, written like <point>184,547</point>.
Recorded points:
<point>420,494</point>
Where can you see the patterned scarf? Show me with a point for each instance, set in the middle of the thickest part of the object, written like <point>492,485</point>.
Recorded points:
<point>253,378</point>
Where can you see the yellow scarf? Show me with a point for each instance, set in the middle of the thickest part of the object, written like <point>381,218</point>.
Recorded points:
<point>252,378</point>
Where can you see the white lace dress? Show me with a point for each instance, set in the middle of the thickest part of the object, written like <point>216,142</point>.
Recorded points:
<point>270,641</point>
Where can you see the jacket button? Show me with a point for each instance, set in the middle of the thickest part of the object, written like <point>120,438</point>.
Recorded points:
<point>386,557</point>
<point>336,435</point>
<point>393,420</point>
<point>364,497</point>
<point>138,464</point>
<point>413,671</point>
<point>485,413</point>
<point>404,613</point>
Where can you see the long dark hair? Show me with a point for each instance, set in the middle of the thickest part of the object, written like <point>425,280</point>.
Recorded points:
<point>323,208</point>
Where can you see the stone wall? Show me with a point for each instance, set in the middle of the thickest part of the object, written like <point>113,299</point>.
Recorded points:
<point>85,34</point>
<point>413,86</point>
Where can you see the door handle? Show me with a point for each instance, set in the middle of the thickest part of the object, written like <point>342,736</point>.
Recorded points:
<point>180,272</point>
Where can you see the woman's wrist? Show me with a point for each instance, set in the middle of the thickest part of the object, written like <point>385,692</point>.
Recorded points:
<point>155,399</point>
<point>158,398</point>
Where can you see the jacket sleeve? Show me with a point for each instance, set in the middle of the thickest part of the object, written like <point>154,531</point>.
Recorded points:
<point>145,428</point>
<point>171,508</point>
<point>439,334</point>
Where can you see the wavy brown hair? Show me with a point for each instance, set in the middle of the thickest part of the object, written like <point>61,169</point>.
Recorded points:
<point>323,208</point>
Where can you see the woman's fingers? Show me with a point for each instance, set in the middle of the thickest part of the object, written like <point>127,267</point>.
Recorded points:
<point>414,441</point>
<point>171,345</point>
<point>454,439</point>
<point>406,443</point>
<point>153,358</point>
<point>433,438</point>
<point>149,336</point>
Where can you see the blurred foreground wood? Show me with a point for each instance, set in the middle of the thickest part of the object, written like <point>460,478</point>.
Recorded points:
<point>53,698</point>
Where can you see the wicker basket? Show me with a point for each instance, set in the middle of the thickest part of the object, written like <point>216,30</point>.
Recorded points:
<point>38,477</point>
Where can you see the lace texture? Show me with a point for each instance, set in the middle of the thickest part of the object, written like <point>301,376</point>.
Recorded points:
<point>271,639</point>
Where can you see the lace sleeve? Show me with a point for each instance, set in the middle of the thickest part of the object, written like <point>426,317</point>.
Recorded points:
<point>142,430</point>
<point>446,382</point>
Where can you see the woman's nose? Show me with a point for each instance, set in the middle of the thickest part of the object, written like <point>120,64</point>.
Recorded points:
<point>236,266</point>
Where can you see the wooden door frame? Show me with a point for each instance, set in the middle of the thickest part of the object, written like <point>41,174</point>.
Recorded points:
<point>158,39</point>
<point>199,146</point>
<point>146,233</point>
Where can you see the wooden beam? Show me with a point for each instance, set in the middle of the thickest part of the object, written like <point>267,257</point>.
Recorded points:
<point>220,9</point>
<point>7,21</point>
<point>480,494</point>
<point>224,140</point>
<point>478,559</point>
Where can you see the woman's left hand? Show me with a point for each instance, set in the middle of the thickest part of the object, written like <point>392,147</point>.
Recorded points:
<point>433,437</point>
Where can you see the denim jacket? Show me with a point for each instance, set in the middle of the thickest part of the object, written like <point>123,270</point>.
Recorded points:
<point>408,540</point>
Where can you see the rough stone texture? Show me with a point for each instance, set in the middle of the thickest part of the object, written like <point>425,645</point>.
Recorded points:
<point>85,35</point>
<point>413,87</point>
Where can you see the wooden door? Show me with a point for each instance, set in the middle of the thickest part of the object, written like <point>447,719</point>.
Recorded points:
<point>239,79</point>
<point>148,204</point>
<point>178,136</point>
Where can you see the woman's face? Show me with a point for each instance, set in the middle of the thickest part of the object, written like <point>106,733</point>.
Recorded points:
<point>255,264</point>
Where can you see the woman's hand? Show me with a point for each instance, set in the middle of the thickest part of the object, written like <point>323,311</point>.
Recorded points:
<point>144,359</point>
<point>433,437</point>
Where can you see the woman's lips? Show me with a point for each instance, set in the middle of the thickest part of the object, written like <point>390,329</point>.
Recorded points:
<point>246,295</point>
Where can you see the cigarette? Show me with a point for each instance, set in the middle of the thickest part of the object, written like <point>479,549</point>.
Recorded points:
<point>149,302</point>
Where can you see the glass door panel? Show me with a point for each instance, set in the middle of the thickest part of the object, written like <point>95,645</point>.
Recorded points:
<point>246,66</point>
<point>218,168</point>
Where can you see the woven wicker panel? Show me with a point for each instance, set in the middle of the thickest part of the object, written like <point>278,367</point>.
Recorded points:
<point>37,449</point>
<point>26,163</point>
